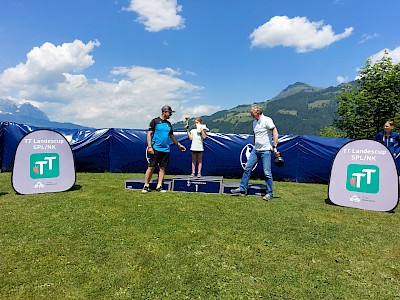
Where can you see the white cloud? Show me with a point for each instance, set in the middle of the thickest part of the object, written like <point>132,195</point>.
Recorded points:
<point>297,32</point>
<point>134,95</point>
<point>45,65</point>
<point>366,37</point>
<point>341,79</point>
<point>157,15</point>
<point>394,54</point>
<point>199,110</point>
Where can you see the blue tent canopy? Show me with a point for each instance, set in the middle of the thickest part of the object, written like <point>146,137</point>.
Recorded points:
<point>307,158</point>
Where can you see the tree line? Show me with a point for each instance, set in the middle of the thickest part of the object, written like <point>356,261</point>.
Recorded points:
<point>365,106</point>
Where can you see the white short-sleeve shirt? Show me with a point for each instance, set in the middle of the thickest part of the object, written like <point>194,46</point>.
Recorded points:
<point>263,133</point>
<point>197,141</point>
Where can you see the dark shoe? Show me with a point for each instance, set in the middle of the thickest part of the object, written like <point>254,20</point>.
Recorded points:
<point>238,192</point>
<point>267,197</point>
<point>145,189</point>
<point>160,190</point>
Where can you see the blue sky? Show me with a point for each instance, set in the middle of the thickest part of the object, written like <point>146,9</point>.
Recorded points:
<point>114,63</point>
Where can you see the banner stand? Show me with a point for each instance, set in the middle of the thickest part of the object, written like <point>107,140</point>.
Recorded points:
<point>43,163</point>
<point>364,175</point>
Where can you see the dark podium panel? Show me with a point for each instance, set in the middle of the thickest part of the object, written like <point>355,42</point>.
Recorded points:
<point>137,184</point>
<point>252,189</point>
<point>205,184</point>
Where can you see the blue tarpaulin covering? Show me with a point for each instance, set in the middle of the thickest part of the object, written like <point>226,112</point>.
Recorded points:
<point>307,158</point>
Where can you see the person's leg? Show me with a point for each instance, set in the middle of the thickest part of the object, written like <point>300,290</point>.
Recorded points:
<point>200,163</point>
<point>163,164</point>
<point>251,161</point>
<point>266,159</point>
<point>193,163</point>
<point>147,177</point>
<point>161,174</point>
<point>149,171</point>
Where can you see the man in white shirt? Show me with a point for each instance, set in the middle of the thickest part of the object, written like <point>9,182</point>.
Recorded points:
<point>265,143</point>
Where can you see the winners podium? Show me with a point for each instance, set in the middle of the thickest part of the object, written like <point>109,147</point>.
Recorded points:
<point>137,184</point>
<point>204,184</point>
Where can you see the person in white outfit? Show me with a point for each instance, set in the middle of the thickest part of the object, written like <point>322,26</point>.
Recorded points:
<point>265,147</point>
<point>197,135</point>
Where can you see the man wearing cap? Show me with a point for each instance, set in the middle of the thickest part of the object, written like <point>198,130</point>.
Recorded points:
<point>265,143</point>
<point>160,131</point>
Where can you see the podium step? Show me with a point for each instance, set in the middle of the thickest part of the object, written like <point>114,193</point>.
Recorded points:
<point>204,184</point>
<point>138,183</point>
<point>252,189</point>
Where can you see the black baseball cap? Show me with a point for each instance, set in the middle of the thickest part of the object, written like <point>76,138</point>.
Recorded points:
<point>167,108</point>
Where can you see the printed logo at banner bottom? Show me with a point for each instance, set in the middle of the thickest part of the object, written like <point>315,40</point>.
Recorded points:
<point>362,178</point>
<point>44,165</point>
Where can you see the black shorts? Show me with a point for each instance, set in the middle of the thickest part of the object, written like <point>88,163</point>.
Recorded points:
<point>159,159</point>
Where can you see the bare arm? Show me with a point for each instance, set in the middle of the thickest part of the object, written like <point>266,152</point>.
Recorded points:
<point>275,138</point>
<point>173,138</point>
<point>189,134</point>
<point>203,133</point>
<point>149,146</point>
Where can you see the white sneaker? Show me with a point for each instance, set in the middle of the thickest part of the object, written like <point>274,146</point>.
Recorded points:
<point>238,192</point>
<point>160,190</point>
<point>145,189</point>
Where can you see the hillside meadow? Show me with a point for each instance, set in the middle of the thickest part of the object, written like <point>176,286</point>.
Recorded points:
<point>102,241</point>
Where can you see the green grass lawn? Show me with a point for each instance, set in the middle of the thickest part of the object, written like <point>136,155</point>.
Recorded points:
<point>101,241</point>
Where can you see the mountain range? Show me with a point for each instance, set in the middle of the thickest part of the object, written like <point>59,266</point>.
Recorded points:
<point>298,109</point>
<point>29,115</point>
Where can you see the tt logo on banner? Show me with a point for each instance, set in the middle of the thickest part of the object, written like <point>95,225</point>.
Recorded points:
<point>363,178</point>
<point>45,165</point>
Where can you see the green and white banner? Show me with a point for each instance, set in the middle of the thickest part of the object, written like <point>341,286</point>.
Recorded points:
<point>364,175</point>
<point>43,163</point>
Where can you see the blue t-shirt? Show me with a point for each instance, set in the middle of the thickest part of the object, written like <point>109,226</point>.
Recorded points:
<point>162,129</point>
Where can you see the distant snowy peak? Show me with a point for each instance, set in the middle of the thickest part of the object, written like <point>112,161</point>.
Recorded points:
<point>8,106</point>
<point>30,115</point>
<point>30,110</point>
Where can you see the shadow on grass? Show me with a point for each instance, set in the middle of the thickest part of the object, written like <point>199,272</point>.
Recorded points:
<point>3,193</point>
<point>329,202</point>
<point>76,187</point>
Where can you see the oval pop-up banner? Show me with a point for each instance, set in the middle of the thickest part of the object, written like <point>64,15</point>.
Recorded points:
<point>43,163</point>
<point>364,175</point>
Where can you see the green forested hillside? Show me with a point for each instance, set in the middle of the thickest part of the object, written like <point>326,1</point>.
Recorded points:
<point>298,109</point>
